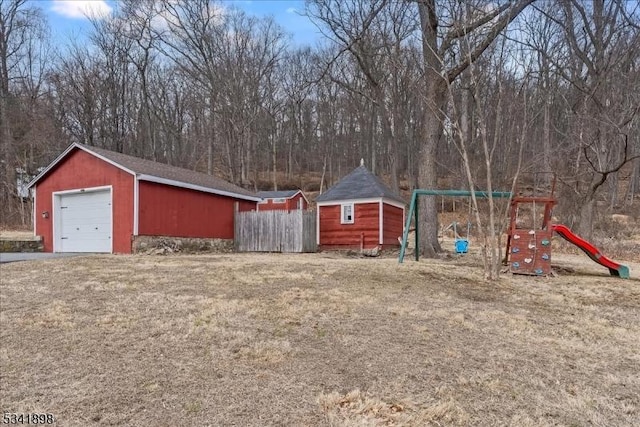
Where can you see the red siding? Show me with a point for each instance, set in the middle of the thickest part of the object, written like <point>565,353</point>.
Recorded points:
<point>366,220</point>
<point>179,212</point>
<point>393,225</point>
<point>288,205</point>
<point>82,170</point>
<point>270,206</point>
<point>293,202</point>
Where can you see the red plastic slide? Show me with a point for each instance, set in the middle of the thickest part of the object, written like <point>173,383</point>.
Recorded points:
<point>592,252</point>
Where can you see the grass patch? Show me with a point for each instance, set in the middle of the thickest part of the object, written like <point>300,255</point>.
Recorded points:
<point>316,340</point>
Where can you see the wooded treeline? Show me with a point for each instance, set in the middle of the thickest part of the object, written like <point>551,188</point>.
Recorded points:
<point>202,85</point>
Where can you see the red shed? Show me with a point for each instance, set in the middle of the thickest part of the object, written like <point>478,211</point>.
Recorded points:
<point>289,200</point>
<point>94,200</point>
<point>359,211</point>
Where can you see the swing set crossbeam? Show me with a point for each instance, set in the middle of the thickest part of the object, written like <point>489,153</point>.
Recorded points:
<point>413,210</point>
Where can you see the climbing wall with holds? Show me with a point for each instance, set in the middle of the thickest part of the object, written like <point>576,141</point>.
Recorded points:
<point>530,252</point>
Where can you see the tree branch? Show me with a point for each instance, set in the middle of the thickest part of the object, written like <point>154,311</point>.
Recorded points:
<point>509,16</point>
<point>463,30</point>
<point>605,174</point>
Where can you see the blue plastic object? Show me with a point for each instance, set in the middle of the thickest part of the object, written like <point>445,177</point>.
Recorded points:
<point>462,246</point>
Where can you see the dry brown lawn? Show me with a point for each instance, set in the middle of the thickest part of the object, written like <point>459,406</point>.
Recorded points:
<point>318,339</point>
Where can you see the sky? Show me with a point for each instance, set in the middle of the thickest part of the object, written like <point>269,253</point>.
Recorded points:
<point>68,18</point>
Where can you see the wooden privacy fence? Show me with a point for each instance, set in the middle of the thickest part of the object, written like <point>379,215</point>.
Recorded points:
<point>275,231</point>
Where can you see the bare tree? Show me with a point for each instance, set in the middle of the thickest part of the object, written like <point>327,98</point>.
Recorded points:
<point>443,25</point>
<point>191,36</point>
<point>600,42</point>
<point>377,35</point>
<point>452,38</point>
<point>478,116</point>
<point>23,51</point>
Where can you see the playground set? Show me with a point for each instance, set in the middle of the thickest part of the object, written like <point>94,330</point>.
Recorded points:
<point>528,248</point>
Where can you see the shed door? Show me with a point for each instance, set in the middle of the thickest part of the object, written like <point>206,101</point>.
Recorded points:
<point>84,222</point>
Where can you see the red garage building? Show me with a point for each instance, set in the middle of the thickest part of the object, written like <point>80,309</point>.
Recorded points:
<point>359,212</point>
<point>289,200</point>
<point>94,200</point>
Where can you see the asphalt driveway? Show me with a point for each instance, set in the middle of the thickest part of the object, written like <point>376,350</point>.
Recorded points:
<point>31,256</point>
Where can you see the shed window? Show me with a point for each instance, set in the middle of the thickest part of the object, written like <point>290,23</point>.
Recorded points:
<point>346,213</point>
<point>279,200</point>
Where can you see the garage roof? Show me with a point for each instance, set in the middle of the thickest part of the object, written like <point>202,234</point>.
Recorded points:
<point>162,173</point>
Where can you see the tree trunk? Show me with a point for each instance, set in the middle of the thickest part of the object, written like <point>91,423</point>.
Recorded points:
<point>634,183</point>
<point>7,169</point>
<point>372,138</point>
<point>546,139</point>
<point>274,160</point>
<point>427,168</point>
<point>585,222</point>
<point>210,142</point>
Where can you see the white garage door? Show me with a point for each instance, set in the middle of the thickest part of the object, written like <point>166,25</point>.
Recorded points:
<point>84,222</point>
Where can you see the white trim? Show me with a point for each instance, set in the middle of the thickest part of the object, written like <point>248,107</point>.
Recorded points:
<point>180,184</point>
<point>381,223</point>
<point>303,196</point>
<point>290,197</point>
<point>111,162</point>
<point>360,201</point>
<point>140,176</point>
<point>111,202</point>
<point>55,195</point>
<point>67,151</point>
<point>136,205</point>
<point>266,200</point>
<point>51,165</point>
<point>404,219</point>
<point>34,207</point>
<point>353,213</point>
<point>55,201</point>
<point>84,190</point>
<point>318,225</point>
<point>286,198</point>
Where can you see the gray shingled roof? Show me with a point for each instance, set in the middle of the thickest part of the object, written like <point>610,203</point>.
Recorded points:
<point>285,194</point>
<point>359,184</point>
<point>161,170</point>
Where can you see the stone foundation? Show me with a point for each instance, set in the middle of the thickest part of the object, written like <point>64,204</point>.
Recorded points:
<point>31,245</point>
<point>160,245</point>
